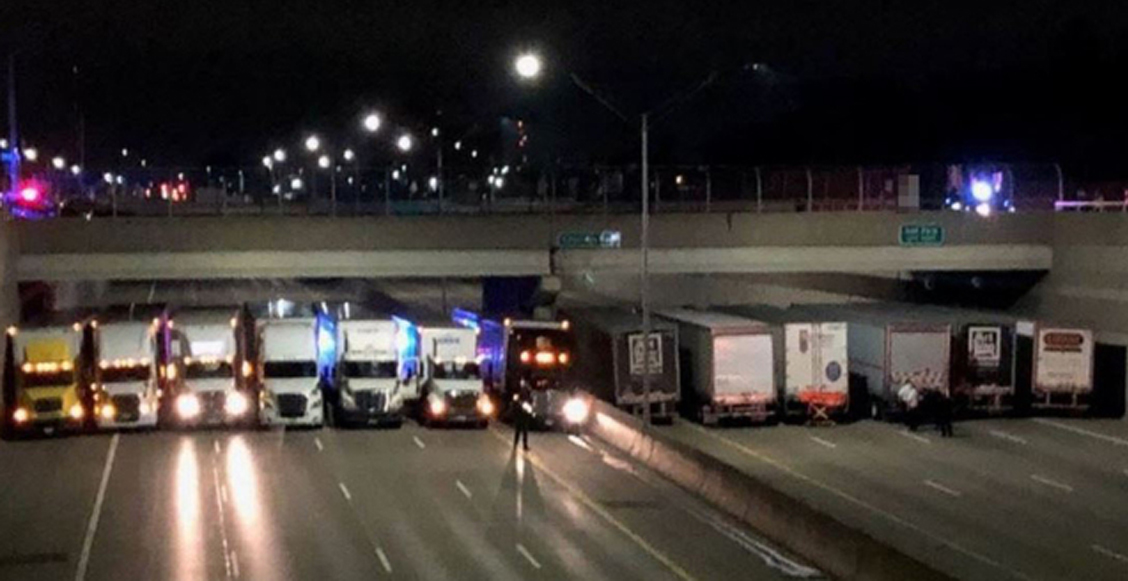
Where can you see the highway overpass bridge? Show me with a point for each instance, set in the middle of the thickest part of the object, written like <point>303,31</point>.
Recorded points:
<point>201,248</point>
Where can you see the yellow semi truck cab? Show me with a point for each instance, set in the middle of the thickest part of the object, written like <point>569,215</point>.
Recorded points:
<point>49,378</point>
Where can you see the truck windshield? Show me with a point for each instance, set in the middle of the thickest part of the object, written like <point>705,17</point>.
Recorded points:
<point>119,374</point>
<point>289,369</point>
<point>452,370</point>
<point>369,369</point>
<point>209,370</point>
<point>48,379</point>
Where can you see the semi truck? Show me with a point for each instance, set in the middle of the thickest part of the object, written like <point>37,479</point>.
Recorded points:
<point>49,366</point>
<point>129,352</point>
<point>890,346</point>
<point>376,372</point>
<point>534,355</point>
<point>727,366</point>
<point>610,355</point>
<point>453,391</point>
<point>209,375</point>
<point>289,382</point>
<point>812,361</point>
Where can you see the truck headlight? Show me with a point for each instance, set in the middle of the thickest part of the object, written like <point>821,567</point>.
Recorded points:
<point>576,410</point>
<point>144,408</point>
<point>76,412</point>
<point>108,411</point>
<point>20,415</point>
<point>235,404</point>
<point>437,407</point>
<point>188,406</point>
<point>485,405</point>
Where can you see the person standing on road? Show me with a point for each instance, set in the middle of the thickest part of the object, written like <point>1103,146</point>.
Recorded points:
<point>522,415</point>
<point>943,413</point>
<point>910,401</point>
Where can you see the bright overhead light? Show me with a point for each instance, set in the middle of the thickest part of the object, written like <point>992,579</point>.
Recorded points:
<point>323,161</point>
<point>58,162</point>
<point>312,143</point>
<point>76,169</point>
<point>404,143</point>
<point>372,122</point>
<point>349,155</point>
<point>280,155</point>
<point>528,65</point>
<point>31,154</point>
<point>267,162</point>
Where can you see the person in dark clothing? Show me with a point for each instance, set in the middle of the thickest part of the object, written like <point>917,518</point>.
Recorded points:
<point>942,409</point>
<point>522,415</point>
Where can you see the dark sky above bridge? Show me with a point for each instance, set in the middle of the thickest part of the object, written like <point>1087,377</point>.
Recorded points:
<point>860,81</point>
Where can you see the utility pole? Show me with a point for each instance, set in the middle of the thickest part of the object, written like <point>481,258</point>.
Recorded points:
<point>13,130</point>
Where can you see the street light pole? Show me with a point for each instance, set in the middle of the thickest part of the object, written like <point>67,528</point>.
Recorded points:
<point>644,268</point>
<point>13,131</point>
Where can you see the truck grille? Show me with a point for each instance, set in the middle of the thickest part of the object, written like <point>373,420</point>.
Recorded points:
<point>370,401</point>
<point>211,404</point>
<point>48,405</point>
<point>128,407</point>
<point>291,405</point>
<point>463,402</point>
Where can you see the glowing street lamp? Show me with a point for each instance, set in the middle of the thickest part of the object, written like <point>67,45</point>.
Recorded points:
<point>125,152</point>
<point>280,155</point>
<point>31,154</point>
<point>58,163</point>
<point>323,162</point>
<point>528,66</point>
<point>267,162</point>
<point>349,155</point>
<point>372,122</point>
<point>76,169</point>
<point>312,143</point>
<point>405,143</point>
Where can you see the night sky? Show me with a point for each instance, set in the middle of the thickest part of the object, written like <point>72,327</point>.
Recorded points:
<point>848,82</point>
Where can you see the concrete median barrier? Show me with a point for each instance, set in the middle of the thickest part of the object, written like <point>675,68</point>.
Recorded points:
<point>838,549</point>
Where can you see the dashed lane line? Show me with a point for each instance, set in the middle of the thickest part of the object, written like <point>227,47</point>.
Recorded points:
<point>383,560</point>
<point>1082,432</point>
<point>822,442</point>
<point>1051,483</point>
<point>419,442</point>
<point>1109,553</point>
<point>462,487</point>
<point>937,486</point>
<point>913,436</point>
<point>317,442</point>
<point>345,491</point>
<point>528,556</point>
<point>1008,437</point>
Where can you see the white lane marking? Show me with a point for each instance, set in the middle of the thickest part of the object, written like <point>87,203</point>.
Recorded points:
<point>223,493</point>
<point>222,522</point>
<point>419,442</point>
<point>584,499</point>
<point>578,441</point>
<point>1110,553</point>
<point>1008,437</point>
<point>942,488</point>
<point>823,442</point>
<point>234,563</point>
<point>1051,483</point>
<point>345,491</point>
<point>1082,431</point>
<point>462,487</point>
<point>152,293</point>
<point>859,502</point>
<point>913,436</point>
<point>317,442</point>
<point>216,445</point>
<point>528,556</point>
<point>96,513</point>
<point>384,559</point>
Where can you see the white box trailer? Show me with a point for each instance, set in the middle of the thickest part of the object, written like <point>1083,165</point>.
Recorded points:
<point>290,387</point>
<point>610,355</point>
<point>127,379</point>
<point>1063,365</point>
<point>453,391</point>
<point>728,365</point>
<point>888,346</point>
<point>812,361</point>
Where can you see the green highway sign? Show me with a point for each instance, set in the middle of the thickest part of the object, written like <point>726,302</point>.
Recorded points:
<point>922,235</point>
<point>588,240</point>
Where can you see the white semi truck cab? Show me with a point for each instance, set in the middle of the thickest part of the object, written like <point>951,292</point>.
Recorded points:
<point>453,387</point>
<point>291,389</point>
<point>374,372</point>
<point>127,388</point>
<point>209,371</point>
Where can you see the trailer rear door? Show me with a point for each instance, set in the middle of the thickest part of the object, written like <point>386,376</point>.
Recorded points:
<point>920,354</point>
<point>742,368</point>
